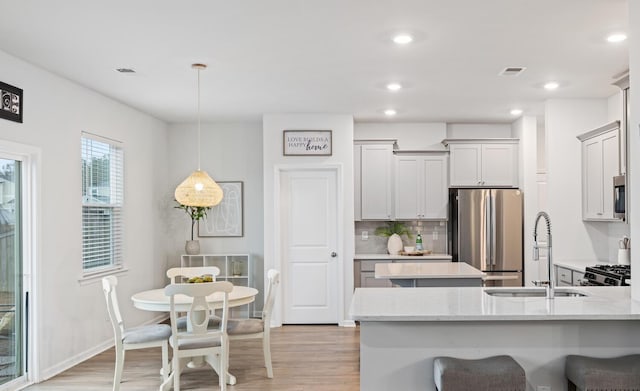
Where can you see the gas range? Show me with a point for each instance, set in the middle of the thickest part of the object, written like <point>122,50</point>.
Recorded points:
<point>611,275</point>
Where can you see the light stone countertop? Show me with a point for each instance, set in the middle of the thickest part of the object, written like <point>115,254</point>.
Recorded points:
<point>427,270</point>
<point>473,304</point>
<point>401,257</point>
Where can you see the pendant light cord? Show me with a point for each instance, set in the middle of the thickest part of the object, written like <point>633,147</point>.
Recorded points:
<point>198,119</point>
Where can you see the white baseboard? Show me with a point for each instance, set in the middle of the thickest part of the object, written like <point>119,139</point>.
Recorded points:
<point>87,354</point>
<point>347,323</point>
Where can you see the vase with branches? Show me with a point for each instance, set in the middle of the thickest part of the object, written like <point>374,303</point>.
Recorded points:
<point>195,213</point>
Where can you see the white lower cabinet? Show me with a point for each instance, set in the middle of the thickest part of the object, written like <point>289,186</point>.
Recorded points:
<point>421,186</point>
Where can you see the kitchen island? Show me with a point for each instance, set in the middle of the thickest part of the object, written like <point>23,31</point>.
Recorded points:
<point>430,274</point>
<point>402,330</point>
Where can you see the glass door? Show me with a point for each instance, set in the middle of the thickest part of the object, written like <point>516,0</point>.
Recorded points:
<point>12,303</point>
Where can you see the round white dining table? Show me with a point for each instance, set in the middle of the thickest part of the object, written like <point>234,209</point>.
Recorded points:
<point>155,299</point>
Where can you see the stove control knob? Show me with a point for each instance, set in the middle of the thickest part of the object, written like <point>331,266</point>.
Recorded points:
<point>610,281</point>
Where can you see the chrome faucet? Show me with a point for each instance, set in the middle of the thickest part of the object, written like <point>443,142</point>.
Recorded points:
<point>536,252</point>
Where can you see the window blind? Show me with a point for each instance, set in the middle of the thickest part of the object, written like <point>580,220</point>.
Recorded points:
<point>102,202</point>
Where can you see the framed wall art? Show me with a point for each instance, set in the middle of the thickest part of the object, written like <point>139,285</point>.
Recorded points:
<point>306,143</point>
<point>11,103</point>
<point>226,218</point>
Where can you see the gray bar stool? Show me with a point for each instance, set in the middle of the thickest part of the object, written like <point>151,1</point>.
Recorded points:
<point>498,373</point>
<point>591,373</point>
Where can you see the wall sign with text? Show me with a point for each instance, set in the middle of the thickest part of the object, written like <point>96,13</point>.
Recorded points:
<point>307,143</point>
<point>11,103</point>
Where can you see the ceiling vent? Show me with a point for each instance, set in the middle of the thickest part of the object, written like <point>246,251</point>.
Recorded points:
<point>512,71</point>
<point>125,70</point>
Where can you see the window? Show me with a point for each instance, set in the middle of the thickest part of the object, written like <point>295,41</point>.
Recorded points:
<point>102,203</point>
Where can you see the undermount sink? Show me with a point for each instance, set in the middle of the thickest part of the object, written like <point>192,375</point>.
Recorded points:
<point>529,292</point>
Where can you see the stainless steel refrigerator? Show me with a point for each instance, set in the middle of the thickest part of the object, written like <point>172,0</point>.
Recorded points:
<point>485,231</point>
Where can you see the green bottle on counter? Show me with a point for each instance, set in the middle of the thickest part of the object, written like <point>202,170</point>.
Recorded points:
<point>419,242</point>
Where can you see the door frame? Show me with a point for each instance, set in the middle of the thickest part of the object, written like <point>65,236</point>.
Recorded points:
<point>30,156</point>
<point>278,227</point>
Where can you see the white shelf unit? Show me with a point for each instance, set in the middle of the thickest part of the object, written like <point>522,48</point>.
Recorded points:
<point>235,268</point>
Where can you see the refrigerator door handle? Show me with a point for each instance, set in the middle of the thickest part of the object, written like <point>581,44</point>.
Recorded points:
<point>493,234</point>
<point>487,230</point>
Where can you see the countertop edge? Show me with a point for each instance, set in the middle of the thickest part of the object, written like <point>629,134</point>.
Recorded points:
<point>402,257</point>
<point>485,318</point>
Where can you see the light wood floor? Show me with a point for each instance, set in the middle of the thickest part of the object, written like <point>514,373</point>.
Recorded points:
<point>304,358</point>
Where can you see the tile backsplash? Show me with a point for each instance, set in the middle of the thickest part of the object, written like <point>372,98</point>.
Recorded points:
<point>378,244</point>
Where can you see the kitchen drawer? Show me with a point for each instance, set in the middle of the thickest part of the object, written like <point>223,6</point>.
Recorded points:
<point>564,276</point>
<point>370,265</point>
<point>577,277</point>
<point>369,280</point>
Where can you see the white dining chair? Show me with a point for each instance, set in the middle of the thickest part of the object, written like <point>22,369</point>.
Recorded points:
<point>142,337</point>
<point>199,339</point>
<point>189,272</point>
<point>259,328</point>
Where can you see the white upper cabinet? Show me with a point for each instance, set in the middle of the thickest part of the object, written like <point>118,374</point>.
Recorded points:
<point>600,163</point>
<point>476,163</point>
<point>421,186</point>
<point>376,180</point>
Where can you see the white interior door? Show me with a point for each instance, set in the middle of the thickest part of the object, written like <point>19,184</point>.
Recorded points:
<point>309,233</point>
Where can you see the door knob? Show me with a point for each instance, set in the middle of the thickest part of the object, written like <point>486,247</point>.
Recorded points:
<point>334,254</point>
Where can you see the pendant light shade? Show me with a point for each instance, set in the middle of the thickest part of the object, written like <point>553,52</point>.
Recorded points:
<point>199,189</point>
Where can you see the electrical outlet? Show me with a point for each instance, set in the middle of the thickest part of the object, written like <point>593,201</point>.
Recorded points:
<point>365,235</point>
<point>543,388</point>
<point>434,236</point>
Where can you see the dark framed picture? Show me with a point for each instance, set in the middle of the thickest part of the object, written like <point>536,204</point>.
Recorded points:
<point>11,103</point>
<point>306,143</point>
<point>226,218</point>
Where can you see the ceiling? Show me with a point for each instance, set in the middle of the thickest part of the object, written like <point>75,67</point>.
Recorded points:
<point>324,56</point>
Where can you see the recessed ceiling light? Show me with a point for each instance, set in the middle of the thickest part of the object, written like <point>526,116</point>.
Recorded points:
<point>390,112</point>
<point>617,37</point>
<point>402,39</point>
<point>516,112</point>
<point>552,85</point>
<point>125,70</point>
<point>394,86</point>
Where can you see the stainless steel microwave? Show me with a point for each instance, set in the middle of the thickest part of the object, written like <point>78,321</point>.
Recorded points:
<point>619,198</point>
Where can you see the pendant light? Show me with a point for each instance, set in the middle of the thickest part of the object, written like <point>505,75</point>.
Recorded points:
<point>199,189</point>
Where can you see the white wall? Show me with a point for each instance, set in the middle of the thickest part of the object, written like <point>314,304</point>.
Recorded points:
<point>409,135</point>
<point>525,129</point>
<point>230,152</point>
<point>72,318</point>
<point>573,239</point>
<point>634,139</point>
<point>478,130</point>
<point>342,127</point>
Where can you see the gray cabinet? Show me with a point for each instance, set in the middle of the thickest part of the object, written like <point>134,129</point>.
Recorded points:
<point>365,275</point>
<point>568,277</point>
